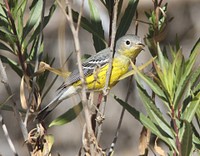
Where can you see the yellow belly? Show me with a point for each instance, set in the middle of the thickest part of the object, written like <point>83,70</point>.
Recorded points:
<point>97,80</point>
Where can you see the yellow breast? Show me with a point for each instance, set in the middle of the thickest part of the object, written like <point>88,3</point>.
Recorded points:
<point>97,80</point>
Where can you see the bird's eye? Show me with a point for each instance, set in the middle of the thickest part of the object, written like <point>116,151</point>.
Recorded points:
<point>128,42</point>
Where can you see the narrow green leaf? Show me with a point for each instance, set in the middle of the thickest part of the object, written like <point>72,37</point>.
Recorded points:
<point>86,24</point>
<point>186,143</point>
<point>4,46</point>
<point>158,91</point>
<point>12,64</point>
<point>7,35</point>
<point>198,114</point>
<point>67,117</point>
<point>196,141</point>
<point>2,11</point>
<point>22,6</point>
<point>109,5</point>
<point>97,25</point>
<point>127,18</point>
<point>34,18</point>
<point>147,123</point>
<point>120,5</point>
<point>187,73</point>
<point>194,79</point>
<point>46,21</point>
<point>154,113</point>
<point>191,109</point>
<point>20,9</point>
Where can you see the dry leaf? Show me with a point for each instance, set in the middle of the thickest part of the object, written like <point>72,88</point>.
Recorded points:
<point>158,149</point>
<point>44,66</point>
<point>40,141</point>
<point>144,140</point>
<point>22,94</point>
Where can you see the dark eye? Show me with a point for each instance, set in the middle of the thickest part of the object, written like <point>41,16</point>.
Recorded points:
<point>128,42</point>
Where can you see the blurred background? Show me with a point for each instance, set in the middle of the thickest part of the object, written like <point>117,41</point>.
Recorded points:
<point>59,44</point>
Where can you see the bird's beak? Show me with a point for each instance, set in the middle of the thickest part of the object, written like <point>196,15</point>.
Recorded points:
<point>141,45</point>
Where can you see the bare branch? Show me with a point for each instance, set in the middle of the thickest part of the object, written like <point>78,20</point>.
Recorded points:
<point>126,100</point>
<point>4,80</point>
<point>75,31</point>
<point>108,74</point>
<point>7,136</point>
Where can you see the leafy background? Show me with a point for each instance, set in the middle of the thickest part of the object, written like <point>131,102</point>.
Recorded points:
<point>58,43</point>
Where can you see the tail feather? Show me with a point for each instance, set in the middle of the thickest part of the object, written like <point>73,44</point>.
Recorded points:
<point>64,94</point>
<point>48,109</point>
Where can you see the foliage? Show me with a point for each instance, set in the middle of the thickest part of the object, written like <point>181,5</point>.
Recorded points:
<point>174,81</point>
<point>174,84</point>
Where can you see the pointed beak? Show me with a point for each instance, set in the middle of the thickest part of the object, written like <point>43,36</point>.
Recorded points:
<point>141,45</point>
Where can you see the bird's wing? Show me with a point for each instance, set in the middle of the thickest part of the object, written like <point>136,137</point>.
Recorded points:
<point>97,60</point>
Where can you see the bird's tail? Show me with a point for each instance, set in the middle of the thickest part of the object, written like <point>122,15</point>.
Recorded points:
<point>63,94</point>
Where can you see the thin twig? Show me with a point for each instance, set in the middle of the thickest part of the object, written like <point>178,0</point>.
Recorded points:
<point>108,74</point>
<point>19,53</point>
<point>12,147</point>
<point>126,100</point>
<point>4,80</point>
<point>75,32</point>
<point>36,64</point>
<point>120,119</point>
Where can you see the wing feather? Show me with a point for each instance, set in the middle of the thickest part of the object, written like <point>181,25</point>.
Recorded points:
<point>98,60</point>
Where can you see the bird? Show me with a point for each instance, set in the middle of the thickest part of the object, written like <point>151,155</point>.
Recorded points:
<point>95,68</point>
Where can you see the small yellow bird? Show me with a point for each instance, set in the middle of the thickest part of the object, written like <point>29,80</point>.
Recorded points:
<point>95,69</point>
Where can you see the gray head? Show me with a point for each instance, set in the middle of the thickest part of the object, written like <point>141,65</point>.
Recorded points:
<point>129,45</point>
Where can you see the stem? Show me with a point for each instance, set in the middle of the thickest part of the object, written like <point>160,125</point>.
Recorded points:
<point>5,130</point>
<point>178,144</point>
<point>108,74</point>
<point>126,100</point>
<point>4,80</point>
<point>75,31</point>
<point>19,53</point>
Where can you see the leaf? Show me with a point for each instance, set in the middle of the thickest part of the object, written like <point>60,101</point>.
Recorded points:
<point>4,46</point>
<point>22,94</point>
<point>7,35</point>
<point>44,66</point>
<point>186,143</point>
<point>194,79</point>
<point>97,26</point>
<point>20,10</point>
<point>147,123</point>
<point>159,149</point>
<point>42,79</point>
<point>196,141</point>
<point>12,64</point>
<point>132,72</point>
<point>87,25</point>
<point>151,84</point>
<point>109,5</point>
<point>127,18</point>
<point>34,18</point>
<point>154,113</point>
<point>2,11</point>
<point>67,117</point>
<point>191,109</point>
<point>46,21</point>
<point>48,144</point>
<point>187,73</point>
<point>144,141</point>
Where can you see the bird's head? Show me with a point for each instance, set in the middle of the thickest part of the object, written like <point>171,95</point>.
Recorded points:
<point>129,46</point>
